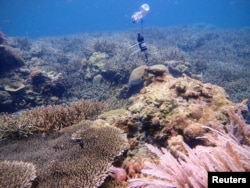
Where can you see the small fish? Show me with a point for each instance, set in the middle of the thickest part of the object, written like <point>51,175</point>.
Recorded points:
<point>81,143</point>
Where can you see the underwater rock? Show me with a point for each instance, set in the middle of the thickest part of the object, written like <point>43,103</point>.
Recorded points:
<point>112,115</point>
<point>36,63</point>
<point>5,101</point>
<point>3,39</point>
<point>179,106</point>
<point>98,79</point>
<point>53,89</point>
<point>135,82</point>
<point>36,52</point>
<point>47,83</point>
<point>37,78</point>
<point>143,75</point>
<point>13,94</point>
<point>154,73</point>
<point>158,68</point>
<point>135,77</point>
<point>8,59</point>
<point>174,111</point>
<point>177,68</point>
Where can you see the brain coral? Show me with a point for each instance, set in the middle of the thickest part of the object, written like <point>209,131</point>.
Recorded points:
<point>77,156</point>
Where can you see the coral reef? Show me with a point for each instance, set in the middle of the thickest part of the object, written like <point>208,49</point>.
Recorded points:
<point>191,170</point>
<point>135,77</point>
<point>5,100</point>
<point>9,59</point>
<point>178,68</point>
<point>14,86</point>
<point>113,184</point>
<point>143,75</point>
<point>77,156</point>
<point>171,113</point>
<point>199,51</point>
<point>180,106</point>
<point>17,174</point>
<point>105,46</point>
<point>96,64</point>
<point>237,126</point>
<point>112,115</point>
<point>47,97</point>
<point>119,174</point>
<point>3,39</point>
<point>47,118</point>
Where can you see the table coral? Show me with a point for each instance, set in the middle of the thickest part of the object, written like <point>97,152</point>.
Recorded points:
<point>61,161</point>
<point>47,118</point>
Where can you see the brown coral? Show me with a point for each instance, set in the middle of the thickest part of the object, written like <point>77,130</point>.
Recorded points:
<point>105,46</point>
<point>78,156</point>
<point>48,118</point>
<point>180,106</point>
<point>16,174</point>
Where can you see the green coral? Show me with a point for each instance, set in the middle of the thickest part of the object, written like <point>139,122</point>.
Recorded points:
<point>112,115</point>
<point>97,58</point>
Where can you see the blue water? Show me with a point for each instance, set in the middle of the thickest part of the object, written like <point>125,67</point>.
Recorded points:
<point>36,18</point>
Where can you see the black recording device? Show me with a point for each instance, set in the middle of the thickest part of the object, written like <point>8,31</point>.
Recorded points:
<point>142,46</point>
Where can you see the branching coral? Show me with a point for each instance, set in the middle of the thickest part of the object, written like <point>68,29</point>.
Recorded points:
<point>105,47</point>
<point>47,118</point>
<point>77,156</point>
<point>16,174</point>
<point>191,170</point>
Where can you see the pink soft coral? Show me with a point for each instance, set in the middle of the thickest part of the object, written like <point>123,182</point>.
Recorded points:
<point>118,173</point>
<point>190,170</point>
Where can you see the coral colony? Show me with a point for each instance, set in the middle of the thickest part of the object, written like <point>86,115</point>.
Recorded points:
<point>86,111</point>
